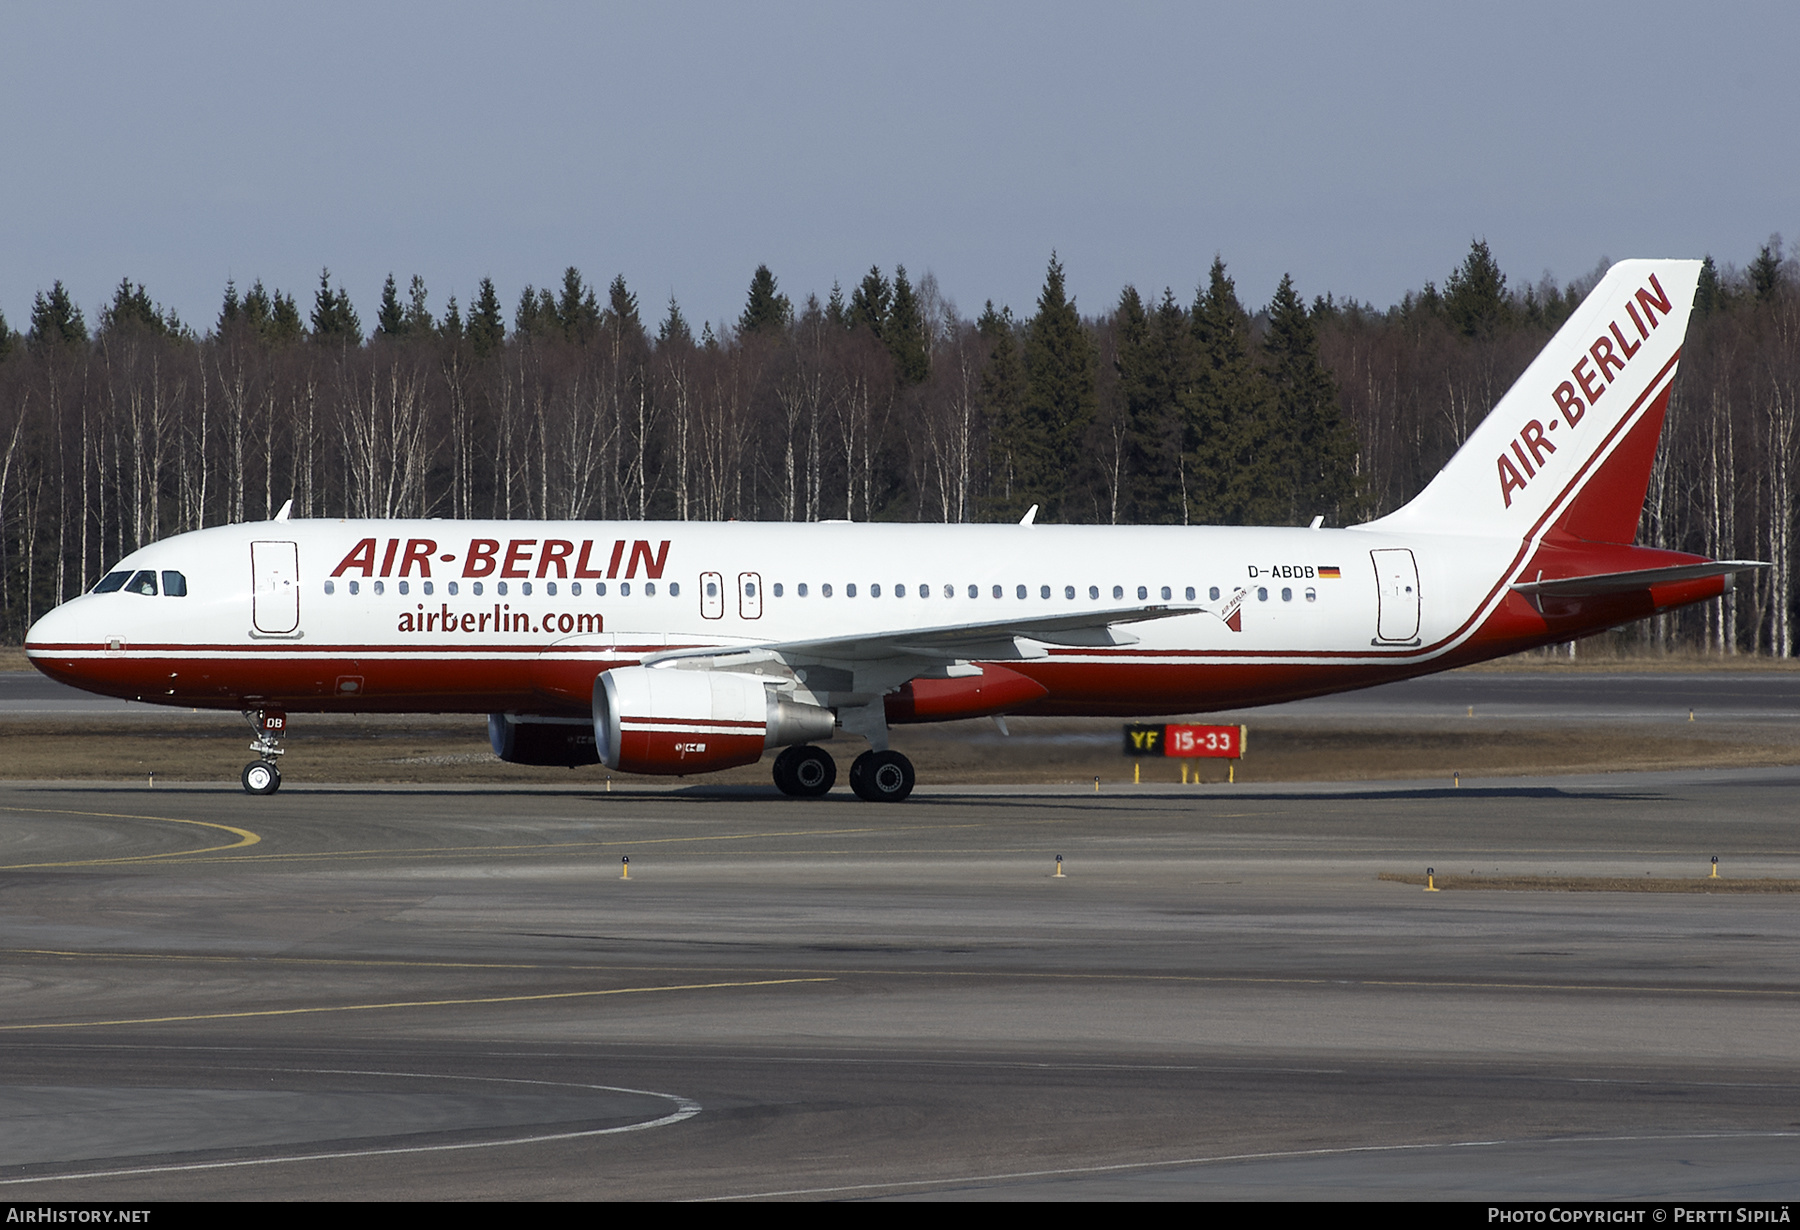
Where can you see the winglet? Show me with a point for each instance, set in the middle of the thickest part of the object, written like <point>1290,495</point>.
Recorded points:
<point>285,510</point>
<point>1030,515</point>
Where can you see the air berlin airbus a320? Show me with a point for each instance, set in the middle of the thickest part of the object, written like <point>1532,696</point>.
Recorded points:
<point>680,647</point>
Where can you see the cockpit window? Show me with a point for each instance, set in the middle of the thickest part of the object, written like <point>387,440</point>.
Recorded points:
<point>110,582</point>
<point>174,585</point>
<point>142,583</point>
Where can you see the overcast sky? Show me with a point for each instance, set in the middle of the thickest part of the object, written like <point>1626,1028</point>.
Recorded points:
<point>1359,147</point>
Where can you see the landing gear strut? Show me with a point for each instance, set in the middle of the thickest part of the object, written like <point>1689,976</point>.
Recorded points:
<point>263,775</point>
<point>881,777</point>
<point>805,771</point>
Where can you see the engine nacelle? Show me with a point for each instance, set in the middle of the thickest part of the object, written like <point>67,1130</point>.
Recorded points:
<point>542,741</point>
<point>672,721</point>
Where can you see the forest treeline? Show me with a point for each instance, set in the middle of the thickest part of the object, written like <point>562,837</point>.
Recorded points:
<point>882,402</point>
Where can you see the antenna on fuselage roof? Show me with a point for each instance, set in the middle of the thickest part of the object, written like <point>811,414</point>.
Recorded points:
<point>285,510</point>
<point>1030,515</point>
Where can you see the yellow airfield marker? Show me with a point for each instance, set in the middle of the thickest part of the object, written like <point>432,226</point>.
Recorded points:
<point>1456,779</point>
<point>1429,886</point>
<point>625,867</point>
<point>1059,875</point>
<point>1136,774</point>
<point>1715,868</point>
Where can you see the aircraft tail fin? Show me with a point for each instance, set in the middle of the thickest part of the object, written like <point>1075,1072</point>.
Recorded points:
<point>1569,448</point>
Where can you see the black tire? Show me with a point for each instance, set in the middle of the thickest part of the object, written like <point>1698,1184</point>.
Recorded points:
<point>812,771</point>
<point>784,771</point>
<point>261,777</point>
<point>881,777</point>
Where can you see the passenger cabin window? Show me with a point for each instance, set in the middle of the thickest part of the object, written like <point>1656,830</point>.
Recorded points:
<point>110,582</point>
<point>331,587</point>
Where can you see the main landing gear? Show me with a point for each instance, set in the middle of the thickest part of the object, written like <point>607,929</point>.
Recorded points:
<point>263,775</point>
<point>805,771</point>
<point>808,772</point>
<point>881,777</point>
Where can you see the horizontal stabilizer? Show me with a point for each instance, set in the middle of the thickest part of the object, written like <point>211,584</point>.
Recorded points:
<point>1629,582</point>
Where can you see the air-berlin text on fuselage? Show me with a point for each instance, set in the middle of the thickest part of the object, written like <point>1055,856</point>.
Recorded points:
<point>502,618</point>
<point>1589,378</point>
<point>521,558</point>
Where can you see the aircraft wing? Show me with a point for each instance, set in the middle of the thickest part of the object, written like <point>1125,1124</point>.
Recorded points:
<point>904,654</point>
<point>1627,582</point>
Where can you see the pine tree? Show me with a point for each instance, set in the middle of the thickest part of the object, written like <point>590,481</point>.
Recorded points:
<point>1475,295</point>
<point>1765,270</point>
<point>836,312</point>
<point>1232,473</point>
<point>55,320</point>
<point>622,309</point>
<point>333,319</point>
<point>576,309</point>
<point>1156,383</point>
<point>906,340</point>
<point>674,329</point>
<point>536,315</point>
<point>1002,396</point>
<point>1320,454</point>
<point>231,310</point>
<point>767,310</point>
<point>258,308</point>
<point>871,301</point>
<point>1060,397</point>
<point>284,319</point>
<point>418,315</point>
<point>8,339</point>
<point>390,321</point>
<point>451,329</point>
<point>487,331</point>
<point>131,308</point>
<point>1709,296</point>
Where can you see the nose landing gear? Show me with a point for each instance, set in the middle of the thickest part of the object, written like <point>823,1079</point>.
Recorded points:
<point>263,775</point>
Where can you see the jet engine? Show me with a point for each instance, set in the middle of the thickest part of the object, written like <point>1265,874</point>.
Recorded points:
<point>672,721</point>
<point>564,742</point>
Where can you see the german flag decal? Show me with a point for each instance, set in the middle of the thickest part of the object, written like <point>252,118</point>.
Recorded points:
<point>1330,574</point>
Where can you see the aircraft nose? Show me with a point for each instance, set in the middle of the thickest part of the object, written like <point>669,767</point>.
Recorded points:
<point>56,632</point>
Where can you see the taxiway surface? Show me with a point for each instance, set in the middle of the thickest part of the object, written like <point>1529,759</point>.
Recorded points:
<point>412,992</point>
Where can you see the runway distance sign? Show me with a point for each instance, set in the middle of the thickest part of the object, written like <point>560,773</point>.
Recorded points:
<point>1222,742</point>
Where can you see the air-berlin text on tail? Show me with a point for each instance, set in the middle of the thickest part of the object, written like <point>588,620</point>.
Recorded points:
<point>522,558</point>
<point>1593,372</point>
